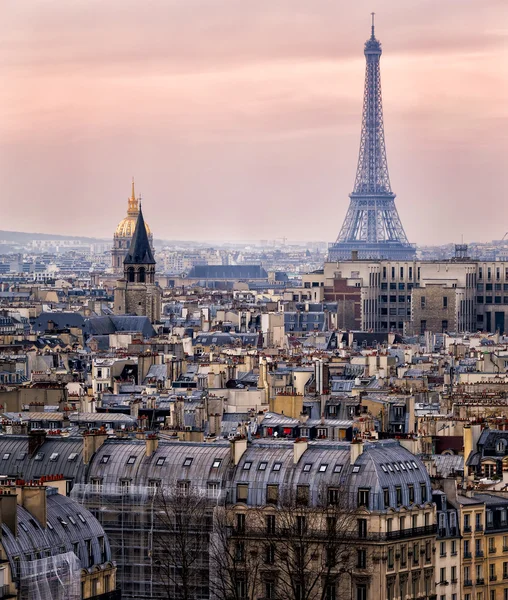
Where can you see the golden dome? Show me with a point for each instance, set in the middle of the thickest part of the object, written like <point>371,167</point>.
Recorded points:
<point>127,226</point>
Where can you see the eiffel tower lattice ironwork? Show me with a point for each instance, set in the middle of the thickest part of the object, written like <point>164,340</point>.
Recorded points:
<point>372,227</point>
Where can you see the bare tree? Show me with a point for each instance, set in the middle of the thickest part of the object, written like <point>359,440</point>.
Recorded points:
<point>182,525</point>
<point>293,549</point>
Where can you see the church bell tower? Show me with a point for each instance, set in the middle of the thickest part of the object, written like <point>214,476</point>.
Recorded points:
<point>137,293</point>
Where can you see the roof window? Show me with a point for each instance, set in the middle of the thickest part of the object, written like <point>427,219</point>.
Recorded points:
<point>39,456</point>
<point>306,467</point>
<point>322,468</point>
<point>160,461</point>
<point>216,463</point>
<point>384,468</point>
<point>277,466</point>
<point>105,459</point>
<point>337,468</point>
<point>356,468</point>
<point>73,456</point>
<point>262,466</point>
<point>188,462</point>
<point>247,465</point>
<point>6,456</point>
<point>131,460</point>
<point>54,456</point>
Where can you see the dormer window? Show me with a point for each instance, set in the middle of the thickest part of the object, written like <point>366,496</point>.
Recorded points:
<point>501,447</point>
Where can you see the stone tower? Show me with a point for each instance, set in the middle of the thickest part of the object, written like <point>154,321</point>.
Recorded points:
<point>137,293</point>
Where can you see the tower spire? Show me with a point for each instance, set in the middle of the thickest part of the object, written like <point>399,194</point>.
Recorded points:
<point>372,225</point>
<point>132,206</point>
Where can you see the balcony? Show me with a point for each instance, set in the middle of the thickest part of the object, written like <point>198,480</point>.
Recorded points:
<point>492,550</point>
<point>505,548</point>
<point>467,528</point>
<point>479,554</point>
<point>479,527</point>
<point>480,581</point>
<point>493,578</point>
<point>468,583</point>
<point>467,554</point>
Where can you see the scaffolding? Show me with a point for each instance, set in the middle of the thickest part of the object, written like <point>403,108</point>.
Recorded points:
<point>51,578</point>
<point>128,515</point>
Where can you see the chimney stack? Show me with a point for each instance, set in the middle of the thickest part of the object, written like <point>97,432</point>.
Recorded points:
<point>9,511</point>
<point>238,447</point>
<point>356,450</point>
<point>299,448</point>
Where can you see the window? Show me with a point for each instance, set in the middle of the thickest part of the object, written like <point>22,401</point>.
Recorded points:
<point>362,528</point>
<point>361,558</point>
<point>72,456</point>
<point>333,495</point>
<point>423,492</point>
<point>262,466</point>
<point>302,495</point>
<point>322,468</point>
<point>188,462</point>
<point>240,551</point>
<point>272,494</point>
<point>301,524</point>
<point>306,467</point>
<point>337,468</point>
<point>131,460</point>
<point>105,459</point>
<point>445,301</point>
<point>6,456</point>
<point>240,522</point>
<point>39,456</point>
<point>216,463</point>
<point>422,302</point>
<point>160,461</point>
<point>125,484</point>
<point>384,468</point>
<point>356,468</point>
<point>270,554</point>
<point>361,591</point>
<point>398,495</point>
<point>242,491</point>
<point>411,490</point>
<point>213,489</point>
<point>442,549</point>
<point>386,497</point>
<point>423,326</point>
<point>363,497</point>
<point>442,574</point>
<point>247,465</point>
<point>81,518</point>
<point>277,466</point>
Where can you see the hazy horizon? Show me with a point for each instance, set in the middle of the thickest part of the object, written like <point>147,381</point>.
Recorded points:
<point>243,121</point>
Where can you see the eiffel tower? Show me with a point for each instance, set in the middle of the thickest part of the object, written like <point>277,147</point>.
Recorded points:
<point>372,228</point>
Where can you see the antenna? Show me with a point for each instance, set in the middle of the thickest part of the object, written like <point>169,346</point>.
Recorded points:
<point>373,14</point>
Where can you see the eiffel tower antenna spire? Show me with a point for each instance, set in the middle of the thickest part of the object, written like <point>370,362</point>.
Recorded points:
<point>372,226</point>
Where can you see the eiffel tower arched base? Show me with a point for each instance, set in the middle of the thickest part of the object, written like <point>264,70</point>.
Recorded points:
<point>368,251</point>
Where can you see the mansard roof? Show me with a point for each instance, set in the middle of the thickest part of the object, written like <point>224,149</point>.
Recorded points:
<point>140,252</point>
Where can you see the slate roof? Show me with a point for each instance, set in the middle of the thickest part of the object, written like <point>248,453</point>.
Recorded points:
<point>140,251</point>
<point>233,272</point>
<point>99,326</point>
<point>62,320</point>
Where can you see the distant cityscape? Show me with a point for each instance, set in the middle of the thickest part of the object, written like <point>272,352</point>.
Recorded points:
<point>259,420</point>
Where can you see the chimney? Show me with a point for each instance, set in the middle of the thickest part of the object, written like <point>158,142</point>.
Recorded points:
<point>356,450</point>
<point>238,447</point>
<point>33,499</point>
<point>9,511</point>
<point>91,443</point>
<point>36,439</point>
<point>152,443</point>
<point>299,447</point>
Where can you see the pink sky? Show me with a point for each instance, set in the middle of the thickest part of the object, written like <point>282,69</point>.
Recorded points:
<point>241,120</point>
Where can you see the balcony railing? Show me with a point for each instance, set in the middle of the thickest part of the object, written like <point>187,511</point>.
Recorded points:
<point>493,578</point>
<point>467,554</point>
<point>4,592</point>
<point>479,527</point>
<point>467,528</point>
<point>479,554</point>
<point>468,583</point>
<point>492,550</point>
<point>480,581</point>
